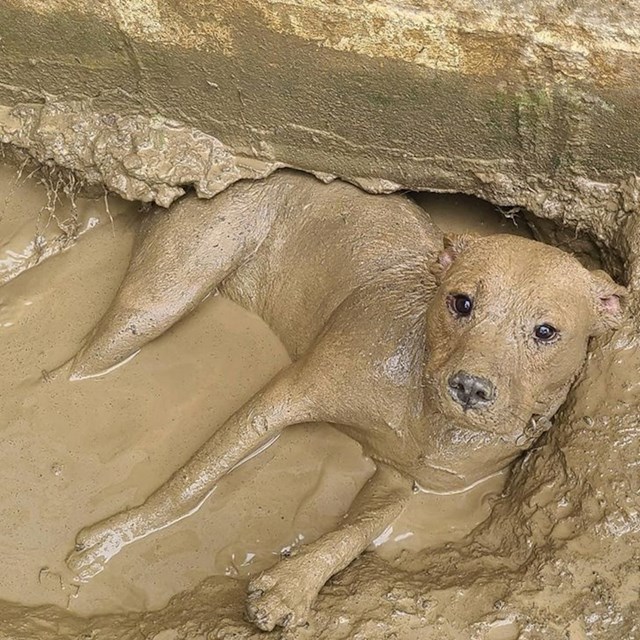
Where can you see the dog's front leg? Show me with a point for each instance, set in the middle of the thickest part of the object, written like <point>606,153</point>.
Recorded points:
<point>286,400</point>
<point>283,595</point>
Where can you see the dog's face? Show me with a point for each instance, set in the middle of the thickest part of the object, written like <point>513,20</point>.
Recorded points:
<point>508,328</point>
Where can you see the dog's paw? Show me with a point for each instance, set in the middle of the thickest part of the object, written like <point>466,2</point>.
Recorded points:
<point>276,598</point>
<point>95,546</point>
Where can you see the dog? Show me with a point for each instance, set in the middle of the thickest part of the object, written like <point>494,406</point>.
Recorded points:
<point>445,357</point>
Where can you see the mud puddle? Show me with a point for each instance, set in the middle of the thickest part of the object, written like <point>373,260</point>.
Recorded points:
<point>73,453</point>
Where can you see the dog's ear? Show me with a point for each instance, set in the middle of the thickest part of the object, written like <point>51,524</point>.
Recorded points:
<point>610,302</point>
<point>454,245</point>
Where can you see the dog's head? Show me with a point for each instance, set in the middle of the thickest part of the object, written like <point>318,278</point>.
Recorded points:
<point>508,328</point>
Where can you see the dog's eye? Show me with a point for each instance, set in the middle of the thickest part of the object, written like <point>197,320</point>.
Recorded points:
<point>461,304</point>
<point>545,333</point>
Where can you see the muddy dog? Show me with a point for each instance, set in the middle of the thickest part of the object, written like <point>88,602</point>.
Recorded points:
<point>445,360</point>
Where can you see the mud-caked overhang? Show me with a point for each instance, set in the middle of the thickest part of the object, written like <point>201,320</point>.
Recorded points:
<point>509,100</point>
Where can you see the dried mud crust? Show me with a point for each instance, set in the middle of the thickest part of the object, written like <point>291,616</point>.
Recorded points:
<point>558,559</point>
<point>134,156</point>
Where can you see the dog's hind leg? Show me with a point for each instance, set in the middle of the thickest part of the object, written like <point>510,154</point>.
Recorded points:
<point>179,257</point>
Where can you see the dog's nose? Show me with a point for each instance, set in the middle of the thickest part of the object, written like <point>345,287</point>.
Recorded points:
<point>471,391</point>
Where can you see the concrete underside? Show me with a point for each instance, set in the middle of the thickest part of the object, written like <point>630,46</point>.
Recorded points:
<point>527,104</point>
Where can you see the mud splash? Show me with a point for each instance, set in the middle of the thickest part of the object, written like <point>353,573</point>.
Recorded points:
<point>569,512</point>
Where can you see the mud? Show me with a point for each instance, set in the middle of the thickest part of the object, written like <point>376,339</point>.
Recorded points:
<point>83,449</point>
<point>558,558</point>
<point>132,156</point>
<point>79,463</point>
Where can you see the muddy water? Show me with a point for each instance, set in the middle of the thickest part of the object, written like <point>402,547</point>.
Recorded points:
<point>74,452</point>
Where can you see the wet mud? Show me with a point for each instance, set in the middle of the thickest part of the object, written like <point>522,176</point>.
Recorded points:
<point>549,550</point>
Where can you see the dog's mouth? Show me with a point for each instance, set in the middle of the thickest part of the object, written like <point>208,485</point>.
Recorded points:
<point>521,429</point>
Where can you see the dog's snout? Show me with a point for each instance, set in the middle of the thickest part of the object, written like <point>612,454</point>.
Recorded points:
<point>471,391</point>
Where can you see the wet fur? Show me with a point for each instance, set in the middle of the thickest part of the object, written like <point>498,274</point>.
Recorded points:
<point>356,287</point>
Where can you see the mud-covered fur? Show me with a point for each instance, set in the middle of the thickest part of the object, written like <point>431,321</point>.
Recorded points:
<point>444,358</point>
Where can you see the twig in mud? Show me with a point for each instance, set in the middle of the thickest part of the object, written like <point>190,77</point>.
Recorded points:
<point>70,186</point>
<point>14,186</point>
<point>513,213</point>
<point>39,246</point>
<point>108,210</point>
<point>21,169</point>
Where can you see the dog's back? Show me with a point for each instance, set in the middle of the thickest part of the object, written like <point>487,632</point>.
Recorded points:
<point>325,241</point>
